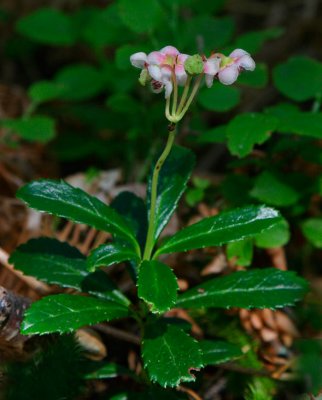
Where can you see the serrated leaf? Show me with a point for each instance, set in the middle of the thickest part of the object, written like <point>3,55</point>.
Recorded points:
<point>48,26</point>
<point>246,130</point>
<point>140,16</point>
<point>267,288</point>
<point>80,82</point>
<point>170,354</point>
<point>61,199</point>
<point>172,182</point>
<point>217,352</point>
<point>109,254</point>
<point>43,91</point>
<point>64,313</point>
<point>35,128</point>
<point>58,263</point>
<point>276,236</point>
<point>219,97</point>
<point>242,250</point>
<point>226,227</point>
<point>312,230</point>
<point>299,78</point>
<point>133,209</point>
<point>157,285</point>
<point>270,189</point>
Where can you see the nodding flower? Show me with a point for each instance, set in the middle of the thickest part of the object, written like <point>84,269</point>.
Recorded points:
<point>227,69</point>
<point>163,68</point>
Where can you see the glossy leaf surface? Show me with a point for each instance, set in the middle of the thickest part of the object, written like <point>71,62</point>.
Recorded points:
<point>58,263</point>
<point>172,183</point>
<point>157,285</point>
<point>109,254</point>
<point>217,352</point>
<point>169,354</point>
<point>223,228</point>
<point>266,288</point>
<point>64,313</point>
<point>61,199</point>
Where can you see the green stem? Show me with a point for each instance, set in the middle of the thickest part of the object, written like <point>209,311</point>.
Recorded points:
<point>191,97</point>
<point>184,95</point>
<point>175,93</point>
<point>154,186</point>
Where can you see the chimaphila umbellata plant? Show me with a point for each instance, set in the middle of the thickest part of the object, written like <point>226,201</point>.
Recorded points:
<point>168,350</point>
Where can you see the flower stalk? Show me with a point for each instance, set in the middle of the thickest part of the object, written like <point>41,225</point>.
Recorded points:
<point>154,192</point>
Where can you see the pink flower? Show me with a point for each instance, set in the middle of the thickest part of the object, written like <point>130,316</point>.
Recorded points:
<point>231,66</point>
<point>227,69</point>
<point>161,66</point>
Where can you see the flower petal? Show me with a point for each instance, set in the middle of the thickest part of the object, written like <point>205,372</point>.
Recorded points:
<point>170,50</point>
<point>168,89</point>
<point>155,72</point>
<point>156,57</point>
<point>181,59</point>
<point>228,75</point>
<point>166,72</point>
<point>237,53</point>
<point>209,79</point>
<point>138,60</point>
<point>181,74</point>
<point>211,66</point>
<point>246,62</point>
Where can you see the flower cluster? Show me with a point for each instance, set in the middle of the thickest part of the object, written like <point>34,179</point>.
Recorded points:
<point>169,69</point>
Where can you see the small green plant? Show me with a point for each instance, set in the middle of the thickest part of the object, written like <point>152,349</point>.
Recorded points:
<point>170,353</point>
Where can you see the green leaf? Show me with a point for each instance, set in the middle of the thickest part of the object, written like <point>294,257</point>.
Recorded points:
<point>43,91</point>
<point>96,33</point>
<point>140,16</point>
<point>253,41</point>
<point>219,97</point>
<point>257,78</point>
<point>266,288</point>
<point>64,313</point>
<point>169,354</point>
<point>299,78</point>
<point>63,200</point>
<point>242,250</point>
<point>312,230</point>
<point>270,189</point>
<point>246,130</point>
<point>58,263</point>
<point>133,209</point>
<point>48,26</point>
<point>157,285</point>
<point>302,123</point>
<point>35,128</point>
<point>80,82</point>
<point>109,254</point>
<point>223,228</point>
<point>105,370</point>
<point>276,236</point>
<point>212,32</point>
<point>214,135</point>
<point>172,182</point>
<point>217,352</point>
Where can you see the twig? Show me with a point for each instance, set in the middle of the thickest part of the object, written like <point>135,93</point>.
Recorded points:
<point>190,392</point>
<point>118,333</point>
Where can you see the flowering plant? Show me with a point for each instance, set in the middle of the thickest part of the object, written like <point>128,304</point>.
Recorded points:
<point>169,351</point>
